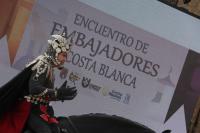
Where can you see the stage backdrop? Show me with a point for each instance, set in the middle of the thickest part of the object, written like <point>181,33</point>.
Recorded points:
<point>120,69</point>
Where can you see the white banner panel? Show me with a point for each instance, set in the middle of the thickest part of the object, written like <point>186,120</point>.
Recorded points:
<point>121,68</point>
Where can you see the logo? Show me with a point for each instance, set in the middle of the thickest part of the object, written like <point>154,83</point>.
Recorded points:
<point>104,91</point>
<point>73,77</point>
<point>127,98</point>
<point>116,95</point>
<point>94,87</point>
<point>85,82</point>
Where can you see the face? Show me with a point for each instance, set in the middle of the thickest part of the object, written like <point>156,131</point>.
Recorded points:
<point>62,57</point>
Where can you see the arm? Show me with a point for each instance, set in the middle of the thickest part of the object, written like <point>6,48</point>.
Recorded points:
<point>37,87</point>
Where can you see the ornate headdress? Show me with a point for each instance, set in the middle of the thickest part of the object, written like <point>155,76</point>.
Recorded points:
<point>57,44</point>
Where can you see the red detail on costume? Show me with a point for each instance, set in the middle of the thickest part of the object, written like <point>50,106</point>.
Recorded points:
<point>13,121</point>
<point>45,116</point>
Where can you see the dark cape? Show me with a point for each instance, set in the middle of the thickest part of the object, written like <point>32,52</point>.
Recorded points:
<point>14,89</point>
<point>14,109</point>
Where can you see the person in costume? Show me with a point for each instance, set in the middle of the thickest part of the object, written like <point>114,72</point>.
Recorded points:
<point>26,97</point>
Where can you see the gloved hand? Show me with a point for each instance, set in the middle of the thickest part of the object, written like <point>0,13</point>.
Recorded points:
<point>66,93</point>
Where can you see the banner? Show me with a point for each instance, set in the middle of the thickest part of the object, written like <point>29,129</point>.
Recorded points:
<point>119,69</point>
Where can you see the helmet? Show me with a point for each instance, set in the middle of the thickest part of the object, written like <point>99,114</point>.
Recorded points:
<point>57,44</point>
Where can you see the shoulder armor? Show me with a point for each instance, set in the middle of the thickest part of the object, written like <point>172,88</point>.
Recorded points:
<point>41,65</point>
